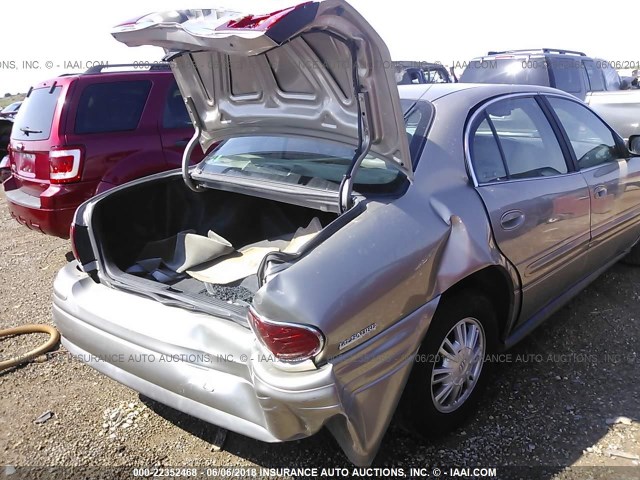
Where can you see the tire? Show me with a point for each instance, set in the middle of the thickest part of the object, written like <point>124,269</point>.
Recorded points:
<point>633,257</point>
<point>426,407</point>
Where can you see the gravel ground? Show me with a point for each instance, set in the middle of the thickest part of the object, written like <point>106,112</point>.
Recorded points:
<point>567,398</point>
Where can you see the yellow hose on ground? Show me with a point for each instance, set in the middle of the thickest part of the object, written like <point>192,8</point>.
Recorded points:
<point>54,336</point>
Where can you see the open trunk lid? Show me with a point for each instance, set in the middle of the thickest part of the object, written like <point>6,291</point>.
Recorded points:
<point>317,70</point>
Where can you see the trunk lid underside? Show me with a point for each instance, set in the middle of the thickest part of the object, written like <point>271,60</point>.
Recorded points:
<point>315,70</point>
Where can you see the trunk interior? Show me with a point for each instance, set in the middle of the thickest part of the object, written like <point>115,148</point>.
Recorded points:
<point>128,222</point>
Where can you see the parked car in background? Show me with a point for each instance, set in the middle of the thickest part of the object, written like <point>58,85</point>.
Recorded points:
<point>593,80</point>
<point>79,135</point>
<point>411,72</point>
<point>339,252</point>
<point>11,110</point>
<point>5,133</point>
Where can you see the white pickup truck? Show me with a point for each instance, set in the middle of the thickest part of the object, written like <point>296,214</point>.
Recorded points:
<point>593,80</point>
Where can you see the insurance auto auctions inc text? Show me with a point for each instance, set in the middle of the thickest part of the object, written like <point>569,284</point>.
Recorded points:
<point>359,472</point>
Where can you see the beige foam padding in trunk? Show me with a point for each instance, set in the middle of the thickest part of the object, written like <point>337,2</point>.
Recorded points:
<point>186,250</point>
<point>231,268</point>
<point>192,250</point>
<point>245,262</point>
<point>303,236</point>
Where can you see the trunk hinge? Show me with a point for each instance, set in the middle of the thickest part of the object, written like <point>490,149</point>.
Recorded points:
<point>186,156</point>
<point>364,145</point>
<point>364,133</point>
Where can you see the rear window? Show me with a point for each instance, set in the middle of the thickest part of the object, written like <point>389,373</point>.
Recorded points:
<point>436,75</point>
<point>111,107</point>
<point>314,163</point>
<point>35,117</point>
<point>519,71</point>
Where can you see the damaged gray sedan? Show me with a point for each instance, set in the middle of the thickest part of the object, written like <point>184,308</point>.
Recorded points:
<point>345,249</point>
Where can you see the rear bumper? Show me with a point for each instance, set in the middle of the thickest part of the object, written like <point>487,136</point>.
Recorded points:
<point>212,368</point>
<point>50,222</point>
<point>51,212</point>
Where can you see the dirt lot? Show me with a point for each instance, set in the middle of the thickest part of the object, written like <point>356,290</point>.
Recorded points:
<point>568,398</point>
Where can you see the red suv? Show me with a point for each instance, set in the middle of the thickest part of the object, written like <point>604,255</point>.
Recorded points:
<point>78,135</point>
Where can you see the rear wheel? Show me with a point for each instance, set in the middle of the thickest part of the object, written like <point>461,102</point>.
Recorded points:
<point>450,371</point>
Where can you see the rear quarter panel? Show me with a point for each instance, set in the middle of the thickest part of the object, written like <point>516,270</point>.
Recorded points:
<point>397,255</point>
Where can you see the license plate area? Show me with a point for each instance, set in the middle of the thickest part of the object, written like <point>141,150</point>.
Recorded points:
<point>25,164</point>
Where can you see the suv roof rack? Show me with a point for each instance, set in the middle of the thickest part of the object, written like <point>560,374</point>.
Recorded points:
<point>560,51</point>
<point>152,66</point>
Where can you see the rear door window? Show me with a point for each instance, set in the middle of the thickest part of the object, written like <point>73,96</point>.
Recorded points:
<point>35,117</point>
<point>485,152</point>
<point>111,107</point>
<point>567,74</point>
<point>514,140</point>
<point>596,80</point>
<point>175,112</point>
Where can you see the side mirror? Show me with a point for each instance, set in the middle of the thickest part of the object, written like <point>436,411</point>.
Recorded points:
<point>634,145</point>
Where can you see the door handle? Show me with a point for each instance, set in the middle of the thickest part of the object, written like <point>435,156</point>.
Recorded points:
<point>512,219</point>
<point>181,143</point>
<point>600,192</point>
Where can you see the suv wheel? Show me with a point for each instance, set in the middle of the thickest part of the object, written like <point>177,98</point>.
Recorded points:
<point>450,371</point>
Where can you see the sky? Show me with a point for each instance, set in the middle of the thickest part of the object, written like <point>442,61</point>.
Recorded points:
<point>45,38</point>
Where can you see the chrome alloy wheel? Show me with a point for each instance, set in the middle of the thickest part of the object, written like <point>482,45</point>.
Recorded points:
<point>458,365</point>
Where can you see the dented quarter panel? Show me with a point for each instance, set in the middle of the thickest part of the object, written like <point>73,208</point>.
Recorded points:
<point>397,255</point>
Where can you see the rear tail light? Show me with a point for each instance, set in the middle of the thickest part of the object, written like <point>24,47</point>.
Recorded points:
<point>269,20</point>
<point>260,22</point>
<point>287,342</point>
<point>65,164</point>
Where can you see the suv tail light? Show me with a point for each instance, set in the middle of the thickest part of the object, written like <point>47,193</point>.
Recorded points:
<point>65,164</point>
<point>289,343</point>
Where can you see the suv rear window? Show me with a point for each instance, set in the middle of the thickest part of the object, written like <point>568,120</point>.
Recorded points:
<point>111,107</point>
<point>522,71</point>
<point>35,117</point>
